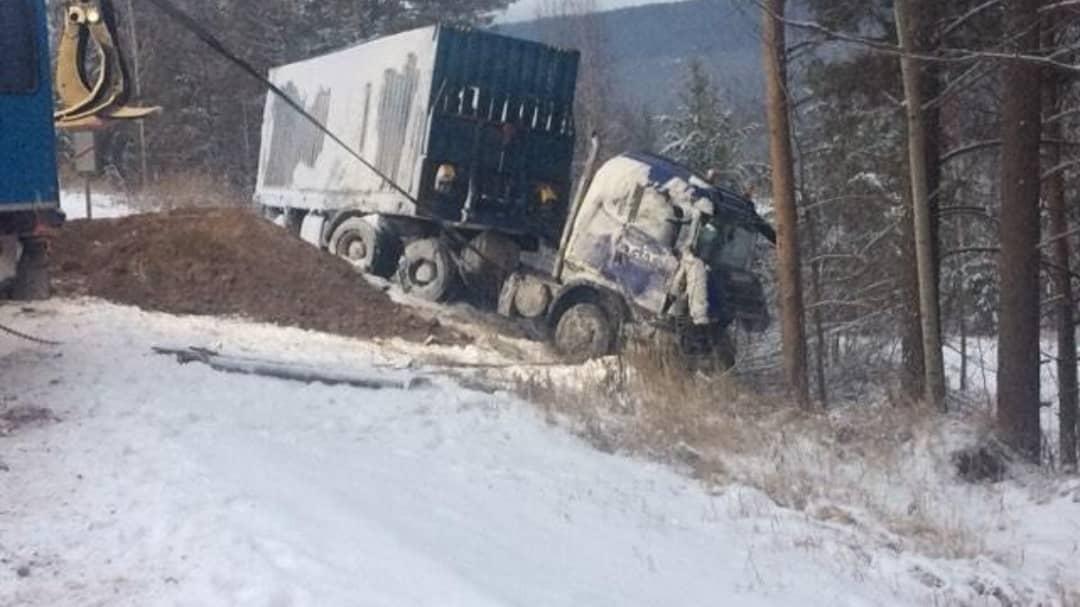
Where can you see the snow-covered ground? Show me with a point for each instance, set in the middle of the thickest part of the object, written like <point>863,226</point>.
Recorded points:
<point>102,206</point>
<point>981,383</point>
<point>162,484</point>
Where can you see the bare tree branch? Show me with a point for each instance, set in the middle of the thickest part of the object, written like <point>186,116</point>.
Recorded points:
<point>948,55</point>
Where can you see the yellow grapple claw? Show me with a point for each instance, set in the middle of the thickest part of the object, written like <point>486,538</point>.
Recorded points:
<point>82,104</point>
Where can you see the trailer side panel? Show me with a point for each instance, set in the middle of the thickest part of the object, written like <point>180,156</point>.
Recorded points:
<point>375,97</point>
<point>477,127</point>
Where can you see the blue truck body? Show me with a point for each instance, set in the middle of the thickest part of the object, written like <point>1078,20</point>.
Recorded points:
<point>28,173</point>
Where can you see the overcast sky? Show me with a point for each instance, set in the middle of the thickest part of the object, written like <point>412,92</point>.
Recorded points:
<point>526,9</point>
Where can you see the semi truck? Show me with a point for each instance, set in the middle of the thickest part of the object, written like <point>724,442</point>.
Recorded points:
<point>467,189</point>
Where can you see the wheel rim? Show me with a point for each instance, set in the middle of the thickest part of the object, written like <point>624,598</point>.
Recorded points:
<point>582,334</point>
<point>357,250</point>
<point>423,272</point>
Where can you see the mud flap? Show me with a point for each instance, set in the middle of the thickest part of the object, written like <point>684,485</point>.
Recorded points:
<point>32,277</point>
<point>10,252</point>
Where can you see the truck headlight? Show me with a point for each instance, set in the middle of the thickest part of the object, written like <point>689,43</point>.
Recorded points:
<point>546,194</point>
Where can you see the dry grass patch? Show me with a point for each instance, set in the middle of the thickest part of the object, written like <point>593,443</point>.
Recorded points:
<point>872,466</point>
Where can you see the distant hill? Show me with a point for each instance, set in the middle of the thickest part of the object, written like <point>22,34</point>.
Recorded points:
<point>651,45</point>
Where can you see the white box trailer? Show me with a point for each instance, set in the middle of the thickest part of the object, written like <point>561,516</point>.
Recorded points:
<point>477,128</point>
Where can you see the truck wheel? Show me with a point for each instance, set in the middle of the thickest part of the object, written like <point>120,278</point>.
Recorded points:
<point>706,348</point>
<point>723,350</point>
<point>486,263</point>
<point>427,270</point>
<point>364,246</point>
<point>270,214</point>
<point>584,332</point>
<point>32,278</point>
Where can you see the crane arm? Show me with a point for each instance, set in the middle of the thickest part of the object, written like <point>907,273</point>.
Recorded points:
<point>86,101</point>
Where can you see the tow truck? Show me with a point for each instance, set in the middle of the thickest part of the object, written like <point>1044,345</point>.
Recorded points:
<point>29,190</point>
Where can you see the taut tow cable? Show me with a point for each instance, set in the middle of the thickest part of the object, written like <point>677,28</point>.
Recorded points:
<point>21,335</point>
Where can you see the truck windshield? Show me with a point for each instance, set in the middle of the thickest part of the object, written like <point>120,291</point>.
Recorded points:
<point>727,245</point>
<point>18,57</point>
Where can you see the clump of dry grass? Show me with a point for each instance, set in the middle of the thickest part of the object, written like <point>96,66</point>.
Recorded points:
<point>850,467</point>
<point>644,401</point>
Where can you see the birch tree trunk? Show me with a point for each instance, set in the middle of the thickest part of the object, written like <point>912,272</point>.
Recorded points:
<point>1017,416</point>
<point>792,312</point>
<point>933,365</point>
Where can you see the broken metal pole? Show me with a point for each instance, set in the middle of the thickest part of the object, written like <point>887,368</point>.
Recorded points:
<point>288,371</point>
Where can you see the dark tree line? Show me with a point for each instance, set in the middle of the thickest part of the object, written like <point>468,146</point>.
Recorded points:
<point>936,149</point>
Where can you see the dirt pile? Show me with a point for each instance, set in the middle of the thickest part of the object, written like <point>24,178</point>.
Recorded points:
<point>226,262</point>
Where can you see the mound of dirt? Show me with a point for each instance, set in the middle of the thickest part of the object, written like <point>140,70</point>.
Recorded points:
<point>226,262</point>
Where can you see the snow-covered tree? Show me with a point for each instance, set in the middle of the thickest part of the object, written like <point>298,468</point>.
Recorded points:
<point>702,134</point>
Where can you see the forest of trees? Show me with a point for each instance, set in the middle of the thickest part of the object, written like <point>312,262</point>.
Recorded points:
<point>921,161</point>
<point>934,144</point>
<point>921,166</point>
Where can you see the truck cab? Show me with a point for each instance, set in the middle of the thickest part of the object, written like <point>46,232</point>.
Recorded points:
<point>643,221</point>
<point>29,191</point>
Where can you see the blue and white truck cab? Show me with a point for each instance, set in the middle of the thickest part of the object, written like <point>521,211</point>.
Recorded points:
<point>647,236</point>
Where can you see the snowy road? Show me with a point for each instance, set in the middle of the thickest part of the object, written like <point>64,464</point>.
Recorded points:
<point>177,485</point>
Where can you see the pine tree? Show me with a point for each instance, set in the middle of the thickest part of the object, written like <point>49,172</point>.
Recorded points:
<point>915,101</point>
<point>1018,337</point>
<point>789,273</point>
<point>702,133</point>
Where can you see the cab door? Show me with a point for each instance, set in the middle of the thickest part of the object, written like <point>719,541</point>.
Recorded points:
<point>643,256</point>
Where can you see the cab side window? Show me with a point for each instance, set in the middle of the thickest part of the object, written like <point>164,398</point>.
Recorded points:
<point>653,214</point>
<point>18,47</point>
<point>621,207</point>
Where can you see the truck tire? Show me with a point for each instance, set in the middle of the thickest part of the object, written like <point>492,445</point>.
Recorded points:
<point>270,214</point>
<point>427,270</point>
<point>706,348</point>
<point>584,332</point>
<point>486,263</point>
<point>32,278</point>
<point>723,350</point>
<point>363,245</point>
